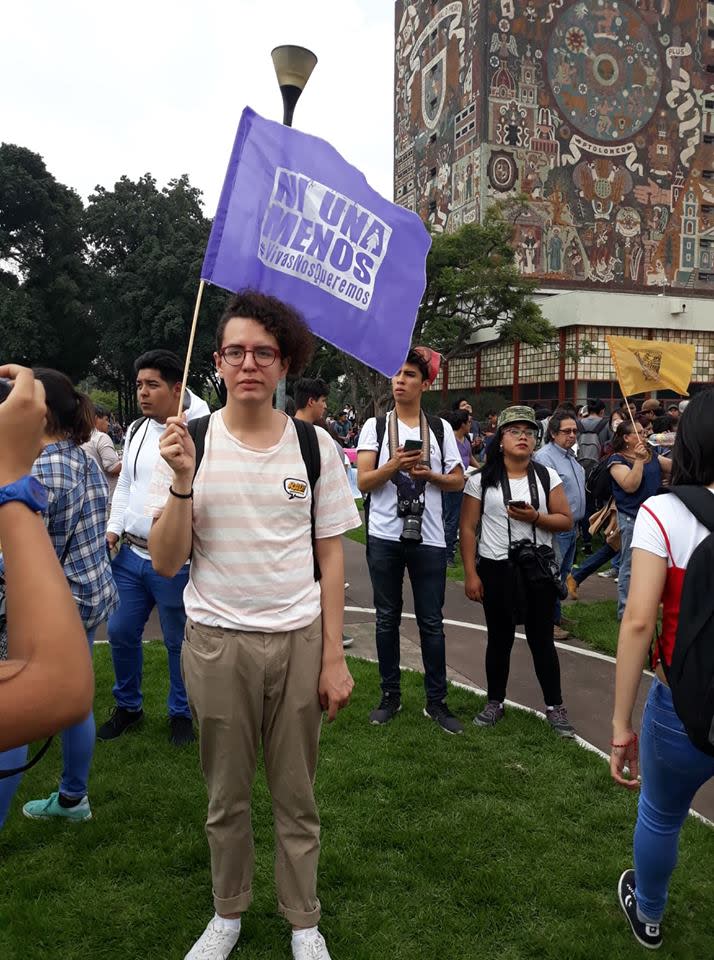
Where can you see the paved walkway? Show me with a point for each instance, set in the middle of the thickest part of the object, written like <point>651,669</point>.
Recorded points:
<point>588,677</point>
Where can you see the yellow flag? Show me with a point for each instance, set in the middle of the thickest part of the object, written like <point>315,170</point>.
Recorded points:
<point>644,365</point>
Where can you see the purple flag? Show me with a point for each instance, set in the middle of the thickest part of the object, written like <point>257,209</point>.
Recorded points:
<point>297,221</point>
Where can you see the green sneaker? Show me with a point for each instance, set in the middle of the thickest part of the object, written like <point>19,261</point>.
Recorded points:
<point>50,809</point>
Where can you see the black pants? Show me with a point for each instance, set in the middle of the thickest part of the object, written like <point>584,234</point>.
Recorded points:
<point>426,566</point>
<point>498,607</point>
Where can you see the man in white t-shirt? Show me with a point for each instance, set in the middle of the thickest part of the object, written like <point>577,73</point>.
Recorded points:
<point>263,650</point>
<point>404,473</point>
<point>100,447</point>
<point>158,386</point>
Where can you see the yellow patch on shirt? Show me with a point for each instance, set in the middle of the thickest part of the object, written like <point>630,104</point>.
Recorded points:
<point>295,488</point>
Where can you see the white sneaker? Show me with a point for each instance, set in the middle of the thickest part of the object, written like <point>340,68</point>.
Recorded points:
<point>215,943</point>
<point>310,947</point>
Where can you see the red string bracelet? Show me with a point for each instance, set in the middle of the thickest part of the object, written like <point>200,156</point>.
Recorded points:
<point>621,746</point>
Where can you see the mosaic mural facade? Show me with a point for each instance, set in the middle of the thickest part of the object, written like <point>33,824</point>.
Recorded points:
<point>600,112</point>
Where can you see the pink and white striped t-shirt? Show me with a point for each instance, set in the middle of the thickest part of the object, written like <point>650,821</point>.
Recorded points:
<point>252,564</point>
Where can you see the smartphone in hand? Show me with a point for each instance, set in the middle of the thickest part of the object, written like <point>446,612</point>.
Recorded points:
<point>518,504</point>
<point>411,446</point>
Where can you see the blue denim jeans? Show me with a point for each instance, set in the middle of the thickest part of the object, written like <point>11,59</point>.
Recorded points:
<point>452,511</point>
<point>672,771</point>
<point>140,589</point>
<point>564,545</point>
<point>426,566</point>
<point>597,560</point>
<point>626,525</point>
<point>77,752</point>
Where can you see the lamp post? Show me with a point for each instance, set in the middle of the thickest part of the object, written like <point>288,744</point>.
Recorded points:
<point>293,66</point>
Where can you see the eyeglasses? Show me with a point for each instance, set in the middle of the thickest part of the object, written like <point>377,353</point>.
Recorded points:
<point>263,356</point>
<point>572,431</point>
<point>517,432</point>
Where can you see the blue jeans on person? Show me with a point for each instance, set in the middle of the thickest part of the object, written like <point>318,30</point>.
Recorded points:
<point>77,752</point>
<point>597,560</point>
<point>10,760</point>
<point>140,589</point>
<point>626,524</point>
<point>452,511</point>
<point>564,545</point>
<point>387,560</point>
<point>672,771</point>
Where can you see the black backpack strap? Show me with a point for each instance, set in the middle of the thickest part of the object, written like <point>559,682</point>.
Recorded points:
<point>380,424</point>
<point>699,501</point>
<point>131,432</point>
<point>198,429</point>
<point>437,427</point>
<point>310,450</point>
<point>541,471</point>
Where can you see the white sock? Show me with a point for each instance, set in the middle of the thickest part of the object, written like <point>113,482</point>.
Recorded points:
<point>301,934</point>
<point>227,923</point>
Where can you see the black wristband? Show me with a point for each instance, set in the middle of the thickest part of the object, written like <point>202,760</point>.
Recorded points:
<point>181,496</point>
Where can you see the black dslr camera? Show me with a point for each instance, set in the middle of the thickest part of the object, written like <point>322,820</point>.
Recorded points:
<point>411,509</point>
<point>538,564</point>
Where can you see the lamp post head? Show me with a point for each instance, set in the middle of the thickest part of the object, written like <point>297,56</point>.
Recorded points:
<point>293,66</point>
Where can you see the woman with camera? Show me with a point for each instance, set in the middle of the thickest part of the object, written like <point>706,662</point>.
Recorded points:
<point>511,567</point>
<point>666,535</point>
<point>636,474</point>
<point>77,513</point>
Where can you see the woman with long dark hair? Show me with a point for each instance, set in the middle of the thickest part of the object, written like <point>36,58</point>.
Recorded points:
<point>665,536</point>
<point>77,516</point>
<point>516,502</point>
<point>636,474</point>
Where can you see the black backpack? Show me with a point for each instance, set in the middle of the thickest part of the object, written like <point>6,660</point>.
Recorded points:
<point>691,673</point>
<point>309,448</point>
<point>598,482</point>
<point>436,426</point>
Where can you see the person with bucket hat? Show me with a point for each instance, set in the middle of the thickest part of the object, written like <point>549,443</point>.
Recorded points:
<point>510,567</point>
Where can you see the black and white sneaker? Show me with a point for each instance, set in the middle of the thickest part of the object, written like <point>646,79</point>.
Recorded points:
<point>441,714</point>
<point>647,934</point>
<point>389,707</point>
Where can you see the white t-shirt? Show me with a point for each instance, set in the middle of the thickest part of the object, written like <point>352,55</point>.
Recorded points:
<point>682,529</point>
<point>383,520</point>
<point>493,542</point>
<point>252,560</point>
<point>101,448</point>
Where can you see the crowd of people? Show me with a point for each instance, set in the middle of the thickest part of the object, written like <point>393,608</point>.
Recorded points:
<point>231,522</point>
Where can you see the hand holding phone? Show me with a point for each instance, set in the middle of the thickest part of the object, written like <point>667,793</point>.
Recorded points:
<point>411,446</point>
<point>518,504</point>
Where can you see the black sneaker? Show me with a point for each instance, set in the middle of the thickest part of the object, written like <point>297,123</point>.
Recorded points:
<point>119,722</point>
<point>441,714</point>
<point>389,707</point>
<point>647,934</point>
<point>557,717</point>
<point>490,715</point>
<point>181,731</point>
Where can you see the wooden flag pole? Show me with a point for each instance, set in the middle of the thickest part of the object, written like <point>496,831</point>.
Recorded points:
<point>187,366</point>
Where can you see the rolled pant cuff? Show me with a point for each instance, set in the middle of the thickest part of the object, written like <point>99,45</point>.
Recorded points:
<point>237,904</point>
<point>301,918</point>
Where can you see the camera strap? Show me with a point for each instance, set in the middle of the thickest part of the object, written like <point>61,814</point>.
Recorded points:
<point>506,493</point>
<point>405,484</point>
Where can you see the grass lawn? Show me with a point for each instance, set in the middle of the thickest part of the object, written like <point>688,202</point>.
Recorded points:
<point>505,843</point>
<point>594,623</point>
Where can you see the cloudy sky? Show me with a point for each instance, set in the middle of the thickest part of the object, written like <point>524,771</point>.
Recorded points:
<point>102,89</point>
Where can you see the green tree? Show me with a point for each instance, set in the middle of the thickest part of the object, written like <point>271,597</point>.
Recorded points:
<point>473,283</point>
<point>146,247</point>
<point>44,313</point>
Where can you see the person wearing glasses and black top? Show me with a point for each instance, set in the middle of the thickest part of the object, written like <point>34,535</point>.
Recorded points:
<point>510,567</point>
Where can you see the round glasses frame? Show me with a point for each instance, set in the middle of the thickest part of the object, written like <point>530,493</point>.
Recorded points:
<point>263,356</point>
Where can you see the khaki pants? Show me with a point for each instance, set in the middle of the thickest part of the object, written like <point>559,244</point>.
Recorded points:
<point>241,687</point>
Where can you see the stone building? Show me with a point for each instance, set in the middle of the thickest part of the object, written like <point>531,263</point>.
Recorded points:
<point>600,112</point>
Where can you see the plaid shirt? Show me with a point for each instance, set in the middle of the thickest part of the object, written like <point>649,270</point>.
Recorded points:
<point>61,468</point>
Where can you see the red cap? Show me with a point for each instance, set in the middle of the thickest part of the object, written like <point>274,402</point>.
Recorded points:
<point>433,360</point>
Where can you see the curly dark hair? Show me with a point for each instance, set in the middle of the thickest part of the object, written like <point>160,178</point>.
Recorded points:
<point>295,341</point>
